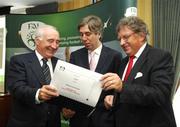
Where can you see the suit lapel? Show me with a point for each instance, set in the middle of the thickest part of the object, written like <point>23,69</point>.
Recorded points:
<point>123,65</point>
<point>54,61</point>
<point>84,59</point>
<point>36,68</point>
<point>139,63</point>
<point>102,60</point>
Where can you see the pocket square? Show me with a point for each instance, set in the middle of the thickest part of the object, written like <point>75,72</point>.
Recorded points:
<point>138,75</point>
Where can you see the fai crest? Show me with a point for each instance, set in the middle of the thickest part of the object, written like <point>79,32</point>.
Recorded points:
<point>131,11</point>
<point>27,33</point>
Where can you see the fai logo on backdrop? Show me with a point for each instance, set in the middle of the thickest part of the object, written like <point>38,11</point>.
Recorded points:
<point>131,11</point>
<point>27,33</point>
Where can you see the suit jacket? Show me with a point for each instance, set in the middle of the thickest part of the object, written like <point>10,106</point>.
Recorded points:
<point>24,78</point>
<point>109,61</point>
<point>145,100</point>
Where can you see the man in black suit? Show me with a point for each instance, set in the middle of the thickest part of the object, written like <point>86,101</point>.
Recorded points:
<point>28,86</point>
<point>106,60</point>
<point>143,99</point>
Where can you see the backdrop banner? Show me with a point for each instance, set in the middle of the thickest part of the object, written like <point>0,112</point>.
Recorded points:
<point>20,28</point>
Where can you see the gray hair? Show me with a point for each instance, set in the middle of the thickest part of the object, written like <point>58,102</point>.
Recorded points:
<point>39,33</point>
<point>135,24</point>
<point>94,23</point>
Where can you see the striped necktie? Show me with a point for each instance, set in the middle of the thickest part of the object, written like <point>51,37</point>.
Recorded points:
<point>46,71</point>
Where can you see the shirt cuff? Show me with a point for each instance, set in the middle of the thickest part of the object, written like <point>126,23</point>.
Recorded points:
<point>37,101</point>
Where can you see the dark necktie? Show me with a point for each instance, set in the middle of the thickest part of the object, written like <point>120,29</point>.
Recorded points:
<point>46,71</point>
<point>130,64</point>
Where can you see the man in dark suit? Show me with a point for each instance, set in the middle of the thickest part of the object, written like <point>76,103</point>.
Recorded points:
<point>143,99</point>
<point>105,60</point>
<point>29,87</point>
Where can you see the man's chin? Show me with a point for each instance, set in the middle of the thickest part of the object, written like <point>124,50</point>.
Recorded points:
<point>88,47</point>
<point>50,55</point>
<point>127,53</point>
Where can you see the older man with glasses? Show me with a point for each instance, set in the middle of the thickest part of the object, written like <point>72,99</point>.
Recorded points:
<point>143,87</point>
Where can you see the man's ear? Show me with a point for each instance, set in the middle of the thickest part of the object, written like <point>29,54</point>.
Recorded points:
<point>99,34</point>
<point>37,40</point>
<point>142,36</point>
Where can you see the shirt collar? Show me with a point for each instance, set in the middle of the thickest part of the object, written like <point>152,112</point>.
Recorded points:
<point>140,50</point>
<point>39,56</point>
<point>97,50</point>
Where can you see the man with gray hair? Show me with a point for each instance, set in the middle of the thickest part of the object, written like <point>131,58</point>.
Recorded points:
<point>28,81</point>
<point>143,87</point>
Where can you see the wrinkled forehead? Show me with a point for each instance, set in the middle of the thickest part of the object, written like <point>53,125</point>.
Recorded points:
<point>51,33</point>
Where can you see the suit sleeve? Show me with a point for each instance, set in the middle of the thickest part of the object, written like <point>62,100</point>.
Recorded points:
<point>117,62</point>
<point>72,58</point>
<point>114,68</point>
<point>154,88</point>
<point>17,82</point>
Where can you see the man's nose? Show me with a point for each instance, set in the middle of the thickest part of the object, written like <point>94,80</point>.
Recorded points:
<point>122,42</point>
<point>83,37</point>
<point>54,45</point>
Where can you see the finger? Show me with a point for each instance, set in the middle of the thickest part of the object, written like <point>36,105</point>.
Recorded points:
<point>107,81</point>
<point>50,88</point>
<point>46,95</point>
<point>108,84</point>
<point>106,76</point>
<point>106,105</point>
<point>109,77</point>
<point>111,85</point>
<point>107,102</point>
<point>68,113</point>
<point>43,96</point>
<point>110,100</point>
<point>50,91</point>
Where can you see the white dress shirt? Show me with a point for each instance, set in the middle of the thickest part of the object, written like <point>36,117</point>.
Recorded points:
<point>97,53</point>
<point>135,59</point>
<point>49,63</point>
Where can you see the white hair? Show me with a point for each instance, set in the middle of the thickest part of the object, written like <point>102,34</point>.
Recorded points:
<point>40,30</point>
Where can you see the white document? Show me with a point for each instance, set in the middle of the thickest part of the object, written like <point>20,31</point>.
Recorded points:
<point>77,83</point>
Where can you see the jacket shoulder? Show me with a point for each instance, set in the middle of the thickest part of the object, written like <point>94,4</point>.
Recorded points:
<point>158,53</point>
<point>113,52</point>
<point>23,56</point>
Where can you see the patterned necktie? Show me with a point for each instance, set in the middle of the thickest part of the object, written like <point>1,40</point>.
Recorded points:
<point>130,64</point>
<point>92,62</point>
<point>46,71</point>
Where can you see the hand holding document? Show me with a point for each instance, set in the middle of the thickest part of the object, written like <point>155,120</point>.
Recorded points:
<point>77,83</point>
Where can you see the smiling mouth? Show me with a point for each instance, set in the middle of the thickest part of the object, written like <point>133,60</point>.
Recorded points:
<point>87,44</point>
<point>126,48</point>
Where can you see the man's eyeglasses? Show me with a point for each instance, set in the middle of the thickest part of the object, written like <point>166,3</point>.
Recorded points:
<point>125,37</point>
